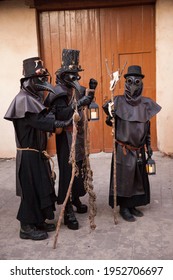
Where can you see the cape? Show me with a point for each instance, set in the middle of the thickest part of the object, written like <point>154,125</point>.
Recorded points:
<point>141,112</point>
<point>22,103</point>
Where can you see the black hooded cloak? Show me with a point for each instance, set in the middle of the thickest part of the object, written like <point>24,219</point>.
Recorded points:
<point>33,172</point>
<point>132,121</point>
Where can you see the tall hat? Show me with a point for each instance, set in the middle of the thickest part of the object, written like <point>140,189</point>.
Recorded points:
<point>33,67</point>
<point>70,61</point>
<point>134,70</point>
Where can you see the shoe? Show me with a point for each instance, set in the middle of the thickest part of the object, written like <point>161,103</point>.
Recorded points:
<point>136,212</point>
<point>46,227</point>
<point>31,232</point>
<point>69,217</point>
<point>80,208</point>
<point>126,215</point>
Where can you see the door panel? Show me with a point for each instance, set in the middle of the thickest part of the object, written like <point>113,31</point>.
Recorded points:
<point>127,35</point>
<point>120,34</point>
<point>77,30</point>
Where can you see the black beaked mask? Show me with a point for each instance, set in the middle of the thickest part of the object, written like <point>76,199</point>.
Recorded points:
<point>69,79</point>
<point>37,84</point>
<point>133,89</point>
<point>134,86</point>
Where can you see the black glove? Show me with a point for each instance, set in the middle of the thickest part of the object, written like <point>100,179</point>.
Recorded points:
<point>84,101</point>
<point>148,142</point>
<point>149,151</point>
<point>113,112</point>
<point>108,120</point>
<point>93,83</point>
<point>61,124</point>
<point>105,107</point>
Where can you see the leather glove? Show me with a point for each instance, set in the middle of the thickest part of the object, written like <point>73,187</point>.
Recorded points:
<point>93,83</point>
<point>108,120</point>
<point>91,90</point>
<point>113,113</point>
<point>58,124</point>
<point>149,151</point>
<point>91,94</point>
<point>84,101</point>
<point>148,142</point>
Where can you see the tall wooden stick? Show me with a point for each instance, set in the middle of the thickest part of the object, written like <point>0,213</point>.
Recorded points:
<point>88,182</point>
<point>114,78</point>
<point>74,171</point>
<point>114,161</point>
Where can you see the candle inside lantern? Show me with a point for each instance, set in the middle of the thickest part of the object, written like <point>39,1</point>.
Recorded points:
<point>93,111</point>
<point>151,166</point>
<point>93,114</point>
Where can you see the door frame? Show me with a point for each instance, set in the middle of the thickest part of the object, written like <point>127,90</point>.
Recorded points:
<point>41,5</point>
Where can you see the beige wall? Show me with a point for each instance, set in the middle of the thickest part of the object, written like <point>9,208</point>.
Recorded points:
<point>18,41</point>
<point>164,74</point>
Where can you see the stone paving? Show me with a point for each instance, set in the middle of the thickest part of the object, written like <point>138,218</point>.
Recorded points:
<point>149,238</point>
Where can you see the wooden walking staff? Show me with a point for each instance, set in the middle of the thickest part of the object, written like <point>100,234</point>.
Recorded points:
<point>72,160</point>
<point>88,172</point>
<point>114,78</point>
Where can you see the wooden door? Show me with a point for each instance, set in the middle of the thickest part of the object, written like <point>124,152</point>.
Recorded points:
<point>127,35</point>
<point>117,34</point>
<point>75,30</point>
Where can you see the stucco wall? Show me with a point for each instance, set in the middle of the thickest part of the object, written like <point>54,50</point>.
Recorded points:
<point>18,41</point>
<point>164,74</point>
<point>18,37</point>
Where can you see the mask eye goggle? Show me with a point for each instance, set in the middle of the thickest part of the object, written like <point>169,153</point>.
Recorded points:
<point>136,81</point>
<point>43,79</point>
<point>71,76</point>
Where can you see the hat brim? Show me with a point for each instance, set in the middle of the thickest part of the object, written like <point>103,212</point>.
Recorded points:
<point>61,70</point>
<point>134,74</point>
<point>33,76</point>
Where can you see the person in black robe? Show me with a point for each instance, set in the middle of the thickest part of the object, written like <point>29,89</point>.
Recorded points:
<point>66,81</point>
<point>132,113</point>
<point>34,177</point>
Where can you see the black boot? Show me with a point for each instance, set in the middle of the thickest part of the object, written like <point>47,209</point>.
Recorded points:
<point>69,217</point>
<point>81,208</point>
<point>126,215</point>
<point>136,212</point>
<point>31,232</point>
<point>46,227</point>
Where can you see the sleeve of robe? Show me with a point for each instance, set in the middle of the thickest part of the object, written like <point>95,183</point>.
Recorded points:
<point>41,121</point>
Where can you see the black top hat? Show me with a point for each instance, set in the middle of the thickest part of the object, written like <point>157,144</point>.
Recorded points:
<point>70,61</point>
<point>33,67</point>
<point>134,70</point>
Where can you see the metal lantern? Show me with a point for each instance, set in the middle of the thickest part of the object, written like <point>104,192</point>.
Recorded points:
<point>93,111</point>
<point>151,166</point>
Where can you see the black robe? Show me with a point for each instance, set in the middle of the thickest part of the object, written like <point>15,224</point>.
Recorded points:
<point>63,112</point>
<point>132,128</point>
<point>33,172</point>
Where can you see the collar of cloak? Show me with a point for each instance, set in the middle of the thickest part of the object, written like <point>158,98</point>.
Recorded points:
<point>24,102</point>
<point>142,112</point>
